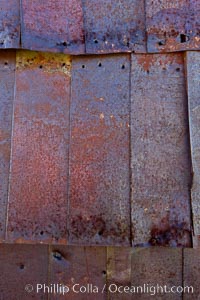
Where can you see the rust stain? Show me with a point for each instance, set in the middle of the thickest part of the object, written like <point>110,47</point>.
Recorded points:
<point>172,26</point>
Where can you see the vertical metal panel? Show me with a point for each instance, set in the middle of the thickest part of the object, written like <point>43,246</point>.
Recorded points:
<point>118,270</point>
<point>193,81</point>
<point>99,151</point>
<point>157,267</point>
<point>10,24</point>
<point>161,169</point>
<point>38,191</point>
<point>53,25</point>
<point>114,26</point>
<point>23,265</point>
<point>172,25</point>
<point>191,273</point>
<point>7,79</point>
<point>80,266</point>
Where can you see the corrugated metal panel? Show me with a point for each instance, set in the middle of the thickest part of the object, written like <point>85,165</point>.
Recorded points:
<point>114,26</point>
<point>193,80</point>
<point>99,151</point>
<point>157,267</point>
<point>10,24</point>
<point>23,266</point>
<point>172,25</point>
<point>7,80</point>
<point>160,151</point>
<point>38,191</point>
<point>78,267</point>
<point>53,26</point>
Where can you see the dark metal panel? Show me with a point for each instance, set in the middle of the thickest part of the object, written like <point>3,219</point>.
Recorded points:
<point>10,24</point>
<point>77,267</point>
<point>193,86</point>
<point>38,189</point>
<point>191,273</point>
<point>155,268</point>
<point>114,26</point>
<point>23,266</point>
<point>7,80</point>
<point>99,151</point>
<point>53,26</point>
<point>172,25</point>
<point>161,169</point>
<point>118,270</point>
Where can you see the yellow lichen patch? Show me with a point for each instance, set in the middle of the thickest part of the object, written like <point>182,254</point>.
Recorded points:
<point>47,62</point>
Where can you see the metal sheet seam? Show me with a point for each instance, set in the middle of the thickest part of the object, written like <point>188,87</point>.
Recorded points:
<point>12,131</point>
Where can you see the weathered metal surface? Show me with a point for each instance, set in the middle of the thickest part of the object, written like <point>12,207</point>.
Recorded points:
<point>99,151</point>
<point>118,270</point>
<point>53,26</point>
<point>172,25</point>
<point>10,24</point>
<point>114,26</point>
<point>157,267</point>
<point>38,189</point>
<point>191,273</point>
<point>22,266</point>
<point>79,267</point>
<point>161,169</point>
<point>193,84</point>
<point>7,79</point>
<point>196,241</point>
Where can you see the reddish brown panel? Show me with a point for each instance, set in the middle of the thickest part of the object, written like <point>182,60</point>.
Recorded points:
<point>161,168</point>
<point>193,84</point>
<point>191,274</point>
<point>118,271</point>
<point>7,81</point>
<point>172,25</point>
<point>81,270</point>
<point>23,267</point>
<point>157,272</point>
<point>10,24</point>
<point>38,189</point>
<point>53,26</point>
<point>99,151</point>
<point>114,26</point>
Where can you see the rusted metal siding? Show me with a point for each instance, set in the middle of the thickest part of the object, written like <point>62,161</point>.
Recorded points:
<point>99,151</point>
<point>157,267</point>
<point>38,187</point>
<point>10,24</point>
<point>193,84</point>
<point>119,270</point>
<point>64,265</point>
<point>7,79</point>
<point>22,265</point>
<point>160,152</point>
<point>73,26</point>
<point>172,25</point>
<point>53,26</point>
<point>84,266</point>
<point>191,272</point>
<point>114,26</point>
